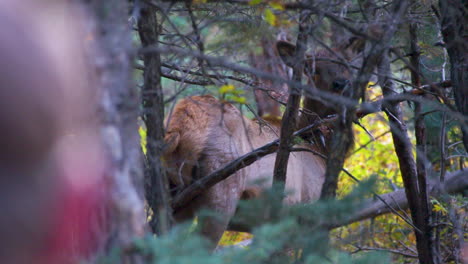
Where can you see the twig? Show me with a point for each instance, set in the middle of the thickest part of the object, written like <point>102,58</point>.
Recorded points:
<point>393,251</point>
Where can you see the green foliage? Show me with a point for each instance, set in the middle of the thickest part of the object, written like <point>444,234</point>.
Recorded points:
<point>234,32</point>
<point>286,234</point>
<point>373,157</point>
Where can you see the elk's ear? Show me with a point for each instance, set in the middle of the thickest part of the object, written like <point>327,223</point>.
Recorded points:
<point>356,44</point>
<point>286,51</point>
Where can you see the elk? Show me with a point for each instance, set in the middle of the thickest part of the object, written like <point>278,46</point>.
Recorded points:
<point>203,134</point>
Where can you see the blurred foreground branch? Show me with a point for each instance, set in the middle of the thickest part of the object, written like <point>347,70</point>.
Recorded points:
<point>455,183</point>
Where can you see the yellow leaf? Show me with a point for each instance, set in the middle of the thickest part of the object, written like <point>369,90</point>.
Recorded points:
<point>438,207</point>
<point>240,100</point>
<point>237,99</point>
<point>232,238</point>
<point>226,88</point>
<point>142,132</point>
<point>238,92</point>
<point>254,2</point>
<point>277,6</point>
<point>270,18</point>
<point>370,84</point>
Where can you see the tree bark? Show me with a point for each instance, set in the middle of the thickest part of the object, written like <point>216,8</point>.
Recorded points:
<point>288,123</point>
<point>119,108</point>
<point>156,182</point>
<point>342,138</point>
<point>421,154</point>
<point>403,149</point>
<point>454,23</point>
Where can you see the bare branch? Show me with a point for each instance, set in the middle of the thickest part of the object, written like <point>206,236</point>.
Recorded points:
<point>393,251</point>
<point>376,106</point>
<point>456,182</point>
<point>190,192</point>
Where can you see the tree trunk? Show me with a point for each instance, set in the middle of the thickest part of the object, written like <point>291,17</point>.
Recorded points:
<point>119,108</point>
<point>288,123</point>
<point>403,149</point>
<point>454,23</point>
<point>156,183</point>
<point>421,155</point>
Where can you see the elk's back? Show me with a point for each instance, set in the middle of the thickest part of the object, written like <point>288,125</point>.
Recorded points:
<point>204,134</point>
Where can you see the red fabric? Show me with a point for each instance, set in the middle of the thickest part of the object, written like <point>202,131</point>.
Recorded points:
<point>78,210</point>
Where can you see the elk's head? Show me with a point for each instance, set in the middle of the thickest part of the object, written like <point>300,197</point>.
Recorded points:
<point>327,69</point>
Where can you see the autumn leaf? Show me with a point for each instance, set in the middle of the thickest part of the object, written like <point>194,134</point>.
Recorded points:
<point>142,132</point>
<point>270,18</point>
<point>277,6</point>
<point>438,207</point>
<point>226,88</point>
<point>254,2</point>
<point>236,99</point>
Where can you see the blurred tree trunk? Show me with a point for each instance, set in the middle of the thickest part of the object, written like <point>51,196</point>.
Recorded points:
<point>119,108</point>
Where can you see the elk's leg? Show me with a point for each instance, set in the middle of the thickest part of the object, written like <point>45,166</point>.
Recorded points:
<point>221,202</point>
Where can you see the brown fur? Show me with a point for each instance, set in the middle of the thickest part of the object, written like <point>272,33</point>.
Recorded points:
<point>204,134</point>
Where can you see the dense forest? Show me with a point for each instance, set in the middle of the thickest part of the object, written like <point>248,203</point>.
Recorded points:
<point>234,131</point>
